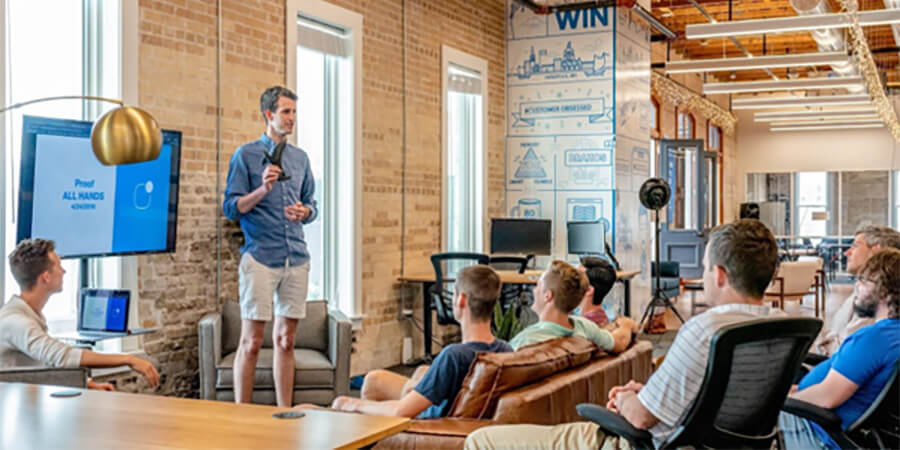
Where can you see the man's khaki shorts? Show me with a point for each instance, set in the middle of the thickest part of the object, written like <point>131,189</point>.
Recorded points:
<point>259,285</point>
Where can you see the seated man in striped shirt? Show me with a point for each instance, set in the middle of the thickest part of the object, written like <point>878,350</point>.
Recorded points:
<point>739,263</point>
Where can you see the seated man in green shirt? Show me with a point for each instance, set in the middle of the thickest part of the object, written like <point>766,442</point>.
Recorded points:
<point>557,293</point>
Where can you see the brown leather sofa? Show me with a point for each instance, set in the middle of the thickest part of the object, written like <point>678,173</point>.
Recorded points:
<point>539,384</point>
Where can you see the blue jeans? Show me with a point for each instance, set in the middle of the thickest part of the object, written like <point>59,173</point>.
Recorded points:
<point>798,434</point>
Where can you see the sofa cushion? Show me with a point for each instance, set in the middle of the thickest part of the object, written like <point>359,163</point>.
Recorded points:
<point>492,374</point>
<point>312,331</point>
<point>314,370</point>
<point>552,400</point>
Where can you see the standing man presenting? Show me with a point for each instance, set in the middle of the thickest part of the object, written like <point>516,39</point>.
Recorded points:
<point>271,203</point>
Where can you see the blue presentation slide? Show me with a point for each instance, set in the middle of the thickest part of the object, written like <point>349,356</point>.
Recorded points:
<point>89,208</point>
<point>104,313</point>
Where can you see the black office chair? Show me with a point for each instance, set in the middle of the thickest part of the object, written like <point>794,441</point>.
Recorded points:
<point>445,267</point>
<point>749,374</point>
<point>877,427</point>
<point>515,295</point>
<point>669,278</point>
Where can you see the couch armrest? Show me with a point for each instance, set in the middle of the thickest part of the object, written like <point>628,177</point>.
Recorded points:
<point>448,426</point>
<point>57,376</point>
<point>434,434</point>
<point>340,345</point>
<point>209,348</point>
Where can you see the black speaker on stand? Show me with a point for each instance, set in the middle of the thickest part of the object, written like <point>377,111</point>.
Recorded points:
<point>654,195</point>
<point>750,211</point>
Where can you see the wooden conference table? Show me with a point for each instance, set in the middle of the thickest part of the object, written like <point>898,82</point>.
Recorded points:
<point>95,419</point>
<point>529,277</point>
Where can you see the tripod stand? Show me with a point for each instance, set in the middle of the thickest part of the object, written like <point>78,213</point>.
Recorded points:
<point>659,297</point>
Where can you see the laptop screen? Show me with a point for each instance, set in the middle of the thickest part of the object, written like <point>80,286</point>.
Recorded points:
<point>103,310</point>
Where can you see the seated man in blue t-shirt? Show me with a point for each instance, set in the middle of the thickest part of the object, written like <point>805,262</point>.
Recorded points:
<point>852,378</point>
<point>385,393</point>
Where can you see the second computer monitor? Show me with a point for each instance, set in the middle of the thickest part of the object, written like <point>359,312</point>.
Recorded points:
<point>586,238</point>
<point>521,236</point>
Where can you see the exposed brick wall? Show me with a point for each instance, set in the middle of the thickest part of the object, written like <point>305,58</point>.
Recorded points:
<point>177,67</point>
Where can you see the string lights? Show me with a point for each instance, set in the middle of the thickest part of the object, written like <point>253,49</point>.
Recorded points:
<point>862,55</point>
<point>669,91</point>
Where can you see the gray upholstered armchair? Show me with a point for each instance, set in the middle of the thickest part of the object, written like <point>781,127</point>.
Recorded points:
<point>321,350</point>
<point>70,377</point>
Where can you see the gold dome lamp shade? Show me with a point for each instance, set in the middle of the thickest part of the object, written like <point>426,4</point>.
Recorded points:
<point>124,135</point>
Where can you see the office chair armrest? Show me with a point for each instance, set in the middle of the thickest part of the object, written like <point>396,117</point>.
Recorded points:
<point>814,358</point>
<point>825,418</point>
<point>615,424</point>
<point>209,349</point>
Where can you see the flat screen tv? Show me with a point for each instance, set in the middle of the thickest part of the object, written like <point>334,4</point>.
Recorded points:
<point>88,209</point>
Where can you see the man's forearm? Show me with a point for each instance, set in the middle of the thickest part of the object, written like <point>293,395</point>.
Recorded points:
<point>94,359</point>
<point>633,411</point>
<point>382,408</point>
<point>622,337</point>
<point>247,202</point>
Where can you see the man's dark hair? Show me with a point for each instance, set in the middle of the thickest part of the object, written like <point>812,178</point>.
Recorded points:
<point>746,249</point>
<point>29,260</point>
<point>600,274</point>
<point>567,284</point>
<point>269,99</point>
<point>481,284</point>
<point>883,270</point>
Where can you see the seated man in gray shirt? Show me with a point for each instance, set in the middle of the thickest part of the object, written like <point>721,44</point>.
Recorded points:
<point>24,340</point>
<point>738,265</point>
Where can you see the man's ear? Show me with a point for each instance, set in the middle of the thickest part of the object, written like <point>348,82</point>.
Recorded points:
<point>269,116</point>
<point>462,300</point>
<point>721,276</point>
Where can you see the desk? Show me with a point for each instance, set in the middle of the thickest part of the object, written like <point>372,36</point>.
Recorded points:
<point>529,277</point>
<point>33,419</point>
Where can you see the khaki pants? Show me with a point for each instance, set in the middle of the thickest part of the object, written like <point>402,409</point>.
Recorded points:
<point>578,435</point>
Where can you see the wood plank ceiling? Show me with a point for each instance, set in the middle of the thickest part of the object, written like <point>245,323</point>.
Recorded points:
<point>676,14</point>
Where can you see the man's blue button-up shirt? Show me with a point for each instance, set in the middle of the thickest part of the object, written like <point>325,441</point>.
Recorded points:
<point>269,236</point>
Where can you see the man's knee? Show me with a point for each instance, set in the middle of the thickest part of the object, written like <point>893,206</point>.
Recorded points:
<point>250,343</point>
<point>373,383</point>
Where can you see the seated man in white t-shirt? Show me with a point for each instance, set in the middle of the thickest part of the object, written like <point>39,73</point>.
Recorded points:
<point>24,340</point>
<point>738,265</point>
<point>557,293</point>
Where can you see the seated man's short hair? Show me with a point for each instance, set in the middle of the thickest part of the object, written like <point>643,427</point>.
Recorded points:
<point>747,250</point>
<point>481,284</point>
<point>567,284</point>
<point>29,260</point>
<point>601,275</point>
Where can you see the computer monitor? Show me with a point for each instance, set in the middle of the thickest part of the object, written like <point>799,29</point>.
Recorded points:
<point>104,310</point>
<point>521,236</point>
<point>586,238</point>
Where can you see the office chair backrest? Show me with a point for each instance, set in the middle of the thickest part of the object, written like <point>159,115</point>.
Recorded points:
<point>881,421</point>
<point>668,269</point>
<point>750,371</point>
<point>445,267</point>
<point>517,263</point>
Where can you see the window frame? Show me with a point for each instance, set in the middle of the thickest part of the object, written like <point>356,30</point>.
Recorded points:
<point>451,56</point>
<point>693,128</point>
<point>127,72</point>
<point>656,131</point>
<point>348,252</point>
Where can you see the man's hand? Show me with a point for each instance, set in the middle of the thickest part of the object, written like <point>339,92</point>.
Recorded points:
<point>146,369</point>
<point>270,176</point>
<point>626,322</point>
<point>346,404</point>
<point>631,386</point>
<point>621,396</point>
<point>100,386</point>
<point>296,212</point>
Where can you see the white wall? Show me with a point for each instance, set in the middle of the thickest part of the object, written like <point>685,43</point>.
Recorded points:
<point>759,150</point>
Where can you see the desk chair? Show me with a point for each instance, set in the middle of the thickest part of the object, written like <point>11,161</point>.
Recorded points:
<point>877,427</point>
<point>750,370</point>
<point>445,267</point>
<point>793,281</point>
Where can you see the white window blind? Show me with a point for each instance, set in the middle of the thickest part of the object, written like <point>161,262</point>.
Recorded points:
<point>323,37</point>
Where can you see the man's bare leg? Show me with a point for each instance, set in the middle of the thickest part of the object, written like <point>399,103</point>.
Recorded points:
<point>380,385</point>
<point>245,360</point>
<point>283,366</point>
<point>416,377</point>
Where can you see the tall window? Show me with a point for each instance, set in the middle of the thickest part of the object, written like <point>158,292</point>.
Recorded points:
<point>326,124</point>
<point>713,138</point>
<point>812,203</point>
<point>465,84</point>
<point>685,126</point>
<point>82,58</point>
<point>655,134</point>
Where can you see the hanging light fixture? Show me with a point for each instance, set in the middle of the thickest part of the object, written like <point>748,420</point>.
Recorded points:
<point>123,135</point>
<point>757,62</point>
<point>795,102</point>
<point>783,85</point>
<point>789,24</point>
